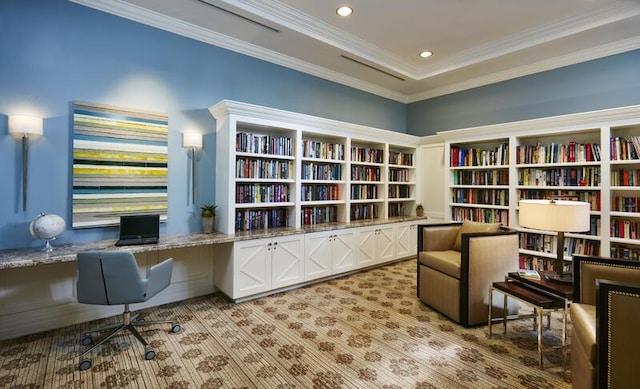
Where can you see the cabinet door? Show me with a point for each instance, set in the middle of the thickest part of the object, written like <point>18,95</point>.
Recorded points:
<point>318,255</point>
<point>252,267</point>
<point>367,246</point>
<point>404,238</point>
<point>385,243</point>
<point>287,265</point>
<point>344,258</point>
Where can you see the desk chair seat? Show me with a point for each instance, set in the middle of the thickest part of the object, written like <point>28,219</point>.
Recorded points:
<point>113,278</point>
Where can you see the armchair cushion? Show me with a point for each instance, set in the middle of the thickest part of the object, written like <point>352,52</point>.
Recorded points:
<point>469,227</point>
<point>447,262</point>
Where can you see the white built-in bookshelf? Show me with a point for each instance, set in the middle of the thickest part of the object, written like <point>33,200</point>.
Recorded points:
<point>281,169</point>
<point>590,157</point>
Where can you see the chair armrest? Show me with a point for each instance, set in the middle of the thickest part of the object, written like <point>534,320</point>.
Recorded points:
<point>159,277</point>
<point>437,237</point>
<point>617,322</point>
<point>488,249</point>
<point>587,269</point>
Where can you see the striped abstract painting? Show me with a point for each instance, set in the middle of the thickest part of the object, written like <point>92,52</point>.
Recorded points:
<point>119,164</point>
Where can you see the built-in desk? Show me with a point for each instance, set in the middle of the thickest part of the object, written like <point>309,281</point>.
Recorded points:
<point>37,289</point>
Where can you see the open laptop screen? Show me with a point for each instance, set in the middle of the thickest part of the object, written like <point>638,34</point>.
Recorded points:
<point>139,227</point>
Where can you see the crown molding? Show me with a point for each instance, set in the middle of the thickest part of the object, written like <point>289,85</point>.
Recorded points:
<point>145,16</point>
<point>280,118</point>
<point>532,37</point>
<point>154,19</point>
<point>547,125</point>
<point>301,22</point>
<point>285,15</point>
<point>536,67</point>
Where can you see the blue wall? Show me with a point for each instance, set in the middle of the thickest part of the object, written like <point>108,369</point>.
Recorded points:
<point>53,52</point>
<point>599,84</point>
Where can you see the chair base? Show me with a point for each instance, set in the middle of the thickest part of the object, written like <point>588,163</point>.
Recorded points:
<point>129,324</point>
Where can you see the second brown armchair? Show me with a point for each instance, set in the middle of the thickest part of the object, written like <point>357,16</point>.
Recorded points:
<point>457,263</point>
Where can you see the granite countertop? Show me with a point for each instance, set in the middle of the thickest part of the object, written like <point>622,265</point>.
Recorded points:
<point>27,257</point>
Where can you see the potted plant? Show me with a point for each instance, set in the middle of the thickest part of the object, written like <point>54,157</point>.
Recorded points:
<point>208,213</point>
<point>419,210</point>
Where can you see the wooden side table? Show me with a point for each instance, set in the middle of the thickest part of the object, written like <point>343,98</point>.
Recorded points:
<point>542,303</point>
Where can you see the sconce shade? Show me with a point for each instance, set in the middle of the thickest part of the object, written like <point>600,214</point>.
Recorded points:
<point>192,139</point>
<point>21,125</point>
<point>557,215</point>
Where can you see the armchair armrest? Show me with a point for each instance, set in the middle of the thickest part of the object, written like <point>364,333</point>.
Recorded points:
<point>587,269</point>
<point>485,258</point>
<point>159,277</point>
<point>437,237</point>
<point>617,322</point>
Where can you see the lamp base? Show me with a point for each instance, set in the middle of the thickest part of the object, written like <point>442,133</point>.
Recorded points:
<point>564,278</point>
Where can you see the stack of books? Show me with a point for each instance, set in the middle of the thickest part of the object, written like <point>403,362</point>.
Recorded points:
<point>527,273</point>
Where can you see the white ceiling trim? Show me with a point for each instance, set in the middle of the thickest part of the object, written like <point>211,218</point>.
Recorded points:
<point>533,37</point>
<point>163,22</point>
<point>301,22</point>
<point>176,26</point>
<point>536,67</point>
<point>289,17</point>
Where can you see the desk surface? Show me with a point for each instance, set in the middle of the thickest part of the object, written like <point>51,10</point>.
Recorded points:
<point>17,258</point>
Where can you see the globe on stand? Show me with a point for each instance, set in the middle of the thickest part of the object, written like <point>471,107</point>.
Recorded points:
<point>47,228</point>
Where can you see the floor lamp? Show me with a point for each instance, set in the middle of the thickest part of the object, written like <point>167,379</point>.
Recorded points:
<point>556,215</point>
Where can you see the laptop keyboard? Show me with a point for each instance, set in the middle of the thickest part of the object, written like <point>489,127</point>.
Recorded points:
<point>132,242</point>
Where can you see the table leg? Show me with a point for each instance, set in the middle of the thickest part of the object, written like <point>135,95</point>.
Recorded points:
<point>539,315</point>
<point>504,313</point>
<point>490,307</point>
<point>564,334</point>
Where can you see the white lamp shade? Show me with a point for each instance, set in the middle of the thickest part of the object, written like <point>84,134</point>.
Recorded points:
<point>192,139</point>
<point>21,125</point>
<point>556,215</point>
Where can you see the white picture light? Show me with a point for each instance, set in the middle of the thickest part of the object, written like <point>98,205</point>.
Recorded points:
<point>193,142</point>
<point>25,127</point>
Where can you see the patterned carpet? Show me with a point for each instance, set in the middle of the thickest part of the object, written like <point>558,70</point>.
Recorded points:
<point>366,330</point>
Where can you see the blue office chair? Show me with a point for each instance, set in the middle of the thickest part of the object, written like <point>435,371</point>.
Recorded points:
<point>113,278</point>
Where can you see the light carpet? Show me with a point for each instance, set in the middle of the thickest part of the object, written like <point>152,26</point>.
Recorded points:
<point>366,330</point>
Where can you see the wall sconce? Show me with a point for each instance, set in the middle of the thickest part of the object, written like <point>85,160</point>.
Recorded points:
<point>192,141</point>
<point>25,127</point>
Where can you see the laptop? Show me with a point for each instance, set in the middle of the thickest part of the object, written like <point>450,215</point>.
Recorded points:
<point>139,229</point>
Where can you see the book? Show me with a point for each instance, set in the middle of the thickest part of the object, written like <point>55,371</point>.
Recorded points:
<point>528,273</point>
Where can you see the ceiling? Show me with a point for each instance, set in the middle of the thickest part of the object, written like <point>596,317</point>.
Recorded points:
<point>376,49</point>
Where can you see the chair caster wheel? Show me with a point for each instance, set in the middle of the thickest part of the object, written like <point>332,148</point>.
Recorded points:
<point>87,340</point>
<point>149,355</point>
<point>176,328</point>
<point>85,364</point>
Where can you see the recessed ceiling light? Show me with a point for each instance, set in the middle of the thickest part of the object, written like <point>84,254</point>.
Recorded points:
<point>426,54</point>
<point>345,10</point>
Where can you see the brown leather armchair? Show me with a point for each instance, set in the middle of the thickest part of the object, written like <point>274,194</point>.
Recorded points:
<point>605,314</point>
<point>457,262</point>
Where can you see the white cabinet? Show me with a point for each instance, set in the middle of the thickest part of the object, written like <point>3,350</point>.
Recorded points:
<point>260,265</point>
<point>375,245</point>
<point>405,239</point>
<point>328,253</point>
<point>287,261</point>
